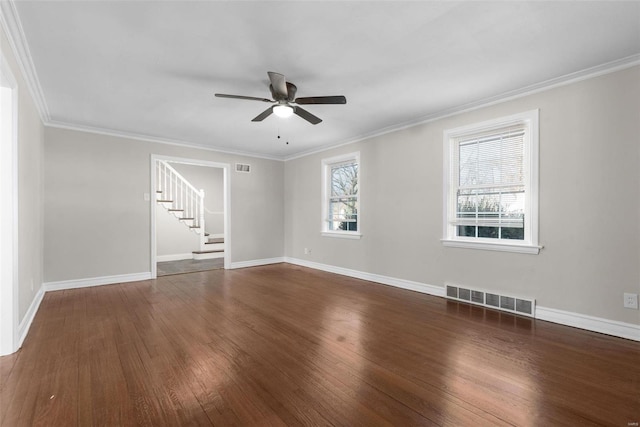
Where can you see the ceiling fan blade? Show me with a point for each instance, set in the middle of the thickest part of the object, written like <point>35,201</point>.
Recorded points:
<point>266,113</point>
<point>321,100</point>
<point>307,115</point>
<point>279,85</point>
<point>249,98</point>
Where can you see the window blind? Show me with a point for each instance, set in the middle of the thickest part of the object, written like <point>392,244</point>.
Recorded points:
<point>490,179</point>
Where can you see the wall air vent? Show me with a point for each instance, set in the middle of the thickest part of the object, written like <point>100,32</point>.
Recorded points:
<point>452,291</point>
<point>492,300</point>
<point>477,297</point>
<point>244,168</point>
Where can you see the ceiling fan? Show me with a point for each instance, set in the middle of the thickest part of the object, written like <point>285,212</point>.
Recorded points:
<point>283,93</point>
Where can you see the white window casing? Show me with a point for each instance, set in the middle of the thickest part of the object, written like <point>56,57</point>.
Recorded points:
<point>341,190</point>
<point>491,185</point>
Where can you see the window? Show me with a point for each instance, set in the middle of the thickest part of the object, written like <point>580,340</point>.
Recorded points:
<point>341,196</point>
<point>491,176</point>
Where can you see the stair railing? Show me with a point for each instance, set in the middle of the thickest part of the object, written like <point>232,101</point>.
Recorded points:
<point>184,198</point>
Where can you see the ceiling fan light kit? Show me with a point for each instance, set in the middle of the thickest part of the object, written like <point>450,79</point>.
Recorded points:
<point>284,93</point>
<point>283,110</point>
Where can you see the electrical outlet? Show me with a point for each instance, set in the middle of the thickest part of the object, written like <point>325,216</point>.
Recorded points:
<point>307,251</point>
<point>631,301</point>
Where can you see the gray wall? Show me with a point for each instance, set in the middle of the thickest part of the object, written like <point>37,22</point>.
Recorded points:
<point>173,237</point>
<point>211,180</point>
<point>589,204</point>
<point>97,222</point>
<point>30,189</point>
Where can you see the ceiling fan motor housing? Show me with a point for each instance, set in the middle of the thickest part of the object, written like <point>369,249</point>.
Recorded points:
<point>290,96</point>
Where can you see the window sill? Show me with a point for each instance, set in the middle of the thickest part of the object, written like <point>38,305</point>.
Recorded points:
<point>341,235</point>
<point>490,246</point>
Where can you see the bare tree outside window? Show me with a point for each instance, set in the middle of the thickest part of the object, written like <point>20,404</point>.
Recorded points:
<point>499,221</point>
<point>343,201</point>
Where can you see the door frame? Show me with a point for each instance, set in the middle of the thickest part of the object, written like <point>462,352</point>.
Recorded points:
<point>226,167</point>
<point>9,322</point>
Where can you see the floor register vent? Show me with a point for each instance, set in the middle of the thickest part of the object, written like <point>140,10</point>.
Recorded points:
<point>487,299</point>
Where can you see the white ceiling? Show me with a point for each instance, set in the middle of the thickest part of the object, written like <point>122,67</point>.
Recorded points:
<point>150,68</point>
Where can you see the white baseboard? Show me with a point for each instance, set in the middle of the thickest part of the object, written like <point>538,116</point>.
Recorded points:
<point>596,324</point>
<point>256,262</point>
<point>385,280</point>
<point>25,324</point>
<point>590,323</point>
<point>95,281</point>
<point>577,320</point>
<point>174,257</point>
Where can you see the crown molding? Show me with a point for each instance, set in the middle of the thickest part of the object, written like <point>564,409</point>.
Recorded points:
<point>12,26</point>
<point>157,140</point>
<point>588,73</point>
<point>567,79</point>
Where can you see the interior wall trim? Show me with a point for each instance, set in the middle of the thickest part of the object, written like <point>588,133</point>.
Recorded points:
<point>9,212</point>
<point>25,323</point>
<point>590,323</point>
<point>95,281</point>
<point>256,262</point>
<point>595,324</point>
<point>385,280</point>
<point>146,138</point>
<point>9,19</point>
<point>578,76</point>
<point>12,26</point>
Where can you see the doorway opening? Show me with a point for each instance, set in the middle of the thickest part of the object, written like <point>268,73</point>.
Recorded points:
<point>190,223</point>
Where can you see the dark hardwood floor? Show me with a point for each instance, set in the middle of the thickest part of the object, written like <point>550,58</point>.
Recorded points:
<point>285,345</point>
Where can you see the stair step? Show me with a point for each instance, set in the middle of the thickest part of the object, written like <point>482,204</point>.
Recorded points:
<point>199,255</point>
<point>164,201</point>
<point>194,226</point>
<point>216,251</point>
<point>214,241</point>
<point>175,210</point>
<point>186,219</point>
<point>159,191</point>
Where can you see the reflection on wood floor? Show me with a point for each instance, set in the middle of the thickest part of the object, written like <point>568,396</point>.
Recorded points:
<point>287,345</point>
<point>168,268</point>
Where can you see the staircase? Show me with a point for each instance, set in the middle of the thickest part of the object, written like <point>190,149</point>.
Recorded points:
<point>186,203</point>
<point>213,248</point>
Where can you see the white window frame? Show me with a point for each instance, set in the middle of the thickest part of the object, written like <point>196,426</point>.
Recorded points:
<point>530,243</point>
<point>327,164</point>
